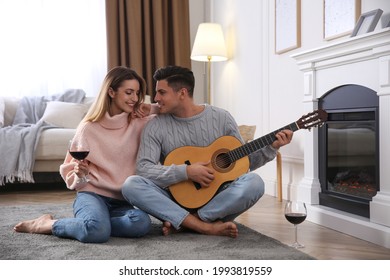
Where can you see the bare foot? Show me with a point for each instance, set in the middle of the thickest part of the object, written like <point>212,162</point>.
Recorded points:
<point>222,229</point>
<point>42,225</point>
<point>214,228</point>
<point>193,223</point>
<point>168,229</point>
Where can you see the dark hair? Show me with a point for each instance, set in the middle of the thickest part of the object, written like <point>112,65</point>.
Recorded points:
<point>177,77</point>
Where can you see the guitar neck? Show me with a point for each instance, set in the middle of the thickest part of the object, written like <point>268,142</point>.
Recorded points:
<point>258,143</point>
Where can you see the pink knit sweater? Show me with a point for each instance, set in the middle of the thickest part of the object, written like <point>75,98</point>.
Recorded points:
<point>113,144</point>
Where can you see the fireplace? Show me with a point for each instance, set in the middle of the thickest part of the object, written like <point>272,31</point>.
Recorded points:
<point>362,61</point>
<point>349,149</point>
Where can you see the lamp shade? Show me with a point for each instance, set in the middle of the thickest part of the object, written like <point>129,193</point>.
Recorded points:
<point>209,44</point>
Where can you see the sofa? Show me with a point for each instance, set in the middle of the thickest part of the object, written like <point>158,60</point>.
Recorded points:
<point>53,143</point>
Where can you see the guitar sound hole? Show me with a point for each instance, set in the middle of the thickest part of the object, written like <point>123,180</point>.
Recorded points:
<point>222,161</point>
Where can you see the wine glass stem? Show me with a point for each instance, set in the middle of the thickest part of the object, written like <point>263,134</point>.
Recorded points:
<point>296,233</point>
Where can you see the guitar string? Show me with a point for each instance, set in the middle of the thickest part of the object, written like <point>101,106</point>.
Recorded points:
<point>246,149</point>
<point>255,145</point>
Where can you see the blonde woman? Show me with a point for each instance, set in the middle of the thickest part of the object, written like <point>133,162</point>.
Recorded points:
<point>112,127</point>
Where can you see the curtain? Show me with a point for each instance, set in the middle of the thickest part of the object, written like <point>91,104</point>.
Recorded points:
<point>50,46</point>
<point>148,34</point>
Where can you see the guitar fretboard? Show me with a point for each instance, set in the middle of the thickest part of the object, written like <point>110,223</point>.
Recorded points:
<point>258,143</point>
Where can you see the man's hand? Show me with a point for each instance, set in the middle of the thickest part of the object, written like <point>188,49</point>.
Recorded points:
<point>282,138</point>
<point>200,173</point>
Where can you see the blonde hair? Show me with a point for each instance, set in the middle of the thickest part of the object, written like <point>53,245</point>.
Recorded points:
<point>114,80</point>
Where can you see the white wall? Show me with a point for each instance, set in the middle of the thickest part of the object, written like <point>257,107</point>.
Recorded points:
<point>258,86</point>
<point>199,12</point>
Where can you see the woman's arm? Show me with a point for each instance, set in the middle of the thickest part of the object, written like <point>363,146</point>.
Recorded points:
<point>146,109</point>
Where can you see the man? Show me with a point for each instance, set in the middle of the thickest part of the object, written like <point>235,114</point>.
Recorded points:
<point>180,123</point>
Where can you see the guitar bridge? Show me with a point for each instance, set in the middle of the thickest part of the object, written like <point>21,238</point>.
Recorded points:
<point>196,184</point>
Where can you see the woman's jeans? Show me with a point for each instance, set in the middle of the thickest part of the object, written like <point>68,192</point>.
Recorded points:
<point>96,218</point>
<point>230,201</point>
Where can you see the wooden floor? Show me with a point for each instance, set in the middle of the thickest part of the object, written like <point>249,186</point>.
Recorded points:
<point>266,217</point>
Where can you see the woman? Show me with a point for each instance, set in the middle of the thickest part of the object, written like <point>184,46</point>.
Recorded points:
<point>112,127</point>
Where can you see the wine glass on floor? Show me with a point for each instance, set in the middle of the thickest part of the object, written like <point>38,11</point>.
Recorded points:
<point>79,149</point>
<point>295,212</point>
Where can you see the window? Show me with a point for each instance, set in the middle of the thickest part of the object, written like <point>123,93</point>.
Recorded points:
<point>50,46</point>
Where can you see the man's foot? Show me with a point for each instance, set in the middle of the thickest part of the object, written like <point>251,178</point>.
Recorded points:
<point>193,223</point>
<point>222,229</point>
<point>42,225</point>
<point>168,229</point>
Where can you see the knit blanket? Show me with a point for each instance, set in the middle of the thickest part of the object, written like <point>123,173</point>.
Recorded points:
<point>18,142</point>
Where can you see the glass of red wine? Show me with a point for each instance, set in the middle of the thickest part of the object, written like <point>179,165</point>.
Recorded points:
<point>295,212</point>
<point>79,150</point>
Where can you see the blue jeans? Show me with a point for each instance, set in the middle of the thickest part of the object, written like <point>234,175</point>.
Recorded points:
<point>96,218</point>
<point>231,200</point>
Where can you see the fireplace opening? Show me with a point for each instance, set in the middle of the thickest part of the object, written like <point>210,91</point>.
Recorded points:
<point>349,149</point>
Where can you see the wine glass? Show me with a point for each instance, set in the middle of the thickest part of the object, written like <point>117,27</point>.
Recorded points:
<point>295,212</point>
<point>79,149</point>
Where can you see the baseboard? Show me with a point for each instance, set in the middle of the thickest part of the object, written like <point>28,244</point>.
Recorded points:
<point>42,181</point>
<point>354,225</point>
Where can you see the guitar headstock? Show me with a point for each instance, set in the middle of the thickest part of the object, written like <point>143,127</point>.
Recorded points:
<point>313,119</point>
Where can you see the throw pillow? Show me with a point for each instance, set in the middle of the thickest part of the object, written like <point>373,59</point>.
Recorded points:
<point>2,107</point>
<point>64,114</point>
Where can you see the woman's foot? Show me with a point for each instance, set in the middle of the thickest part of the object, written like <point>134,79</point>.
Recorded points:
<point>41,225</point>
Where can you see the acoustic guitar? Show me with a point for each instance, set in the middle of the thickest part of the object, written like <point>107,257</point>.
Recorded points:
<point>228,158</point>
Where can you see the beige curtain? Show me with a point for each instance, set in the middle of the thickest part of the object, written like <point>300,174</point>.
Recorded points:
<point>148,34</point>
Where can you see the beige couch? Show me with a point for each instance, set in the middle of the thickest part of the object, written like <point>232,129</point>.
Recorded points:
<point>53,142</point>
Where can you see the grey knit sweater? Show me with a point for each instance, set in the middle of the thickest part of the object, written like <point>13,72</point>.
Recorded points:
<point>166,132</point>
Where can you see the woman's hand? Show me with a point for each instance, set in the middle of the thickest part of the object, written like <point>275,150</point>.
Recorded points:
<point>81,168</point>
<point>142,110</point>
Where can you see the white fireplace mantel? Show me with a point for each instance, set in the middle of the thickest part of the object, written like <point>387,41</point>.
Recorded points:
<point>362,60</point>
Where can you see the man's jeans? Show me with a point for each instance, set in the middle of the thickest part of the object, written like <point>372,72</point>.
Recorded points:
<point>230,201</point>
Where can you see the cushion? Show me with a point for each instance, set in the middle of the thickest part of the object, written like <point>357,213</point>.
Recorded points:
<point>64,114</point>
<point>53,144</point>
<point>10,107</point>
<point>2,106</point>
<point>247,132</point>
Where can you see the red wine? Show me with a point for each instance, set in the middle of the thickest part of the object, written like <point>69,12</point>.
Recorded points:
<point>295,218</point>
<point>80,155</point>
